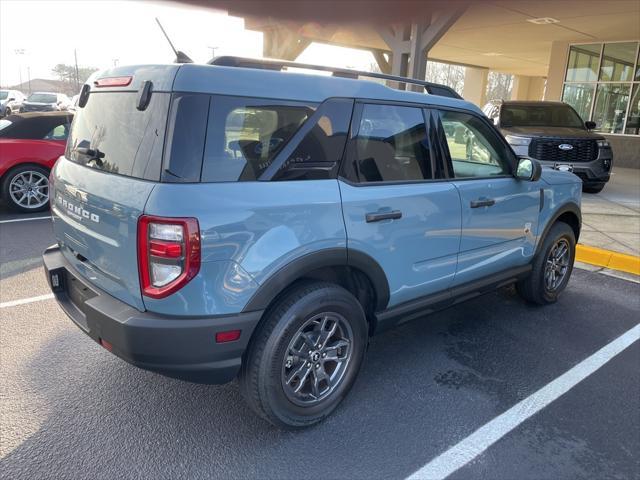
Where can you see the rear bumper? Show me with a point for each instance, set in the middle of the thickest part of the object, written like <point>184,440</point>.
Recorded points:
<point>182,348</point>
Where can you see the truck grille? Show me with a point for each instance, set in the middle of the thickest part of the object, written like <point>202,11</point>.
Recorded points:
<point>549,150</point>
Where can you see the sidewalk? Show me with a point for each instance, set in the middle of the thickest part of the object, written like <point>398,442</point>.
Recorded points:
<point>611,219</point>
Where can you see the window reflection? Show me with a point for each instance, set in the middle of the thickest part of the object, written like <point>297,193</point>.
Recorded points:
<point>611,107</point>
<point>580,97</point>
<point>583,63</point>
<point>617,62</point>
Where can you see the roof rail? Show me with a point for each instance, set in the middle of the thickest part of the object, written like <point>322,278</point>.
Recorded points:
<point>270,64</point>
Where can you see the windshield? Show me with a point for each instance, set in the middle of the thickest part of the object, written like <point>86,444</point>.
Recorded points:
<point>42,98</point>
<point>4,95</point>
<point>539,116</point>
<point>4,123</point>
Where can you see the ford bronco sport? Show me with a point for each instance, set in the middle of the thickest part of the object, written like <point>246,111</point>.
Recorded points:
<point>215,222</point>
<point>554,134</point>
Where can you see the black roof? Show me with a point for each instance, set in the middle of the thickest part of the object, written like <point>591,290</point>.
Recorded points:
<point>34,125</point>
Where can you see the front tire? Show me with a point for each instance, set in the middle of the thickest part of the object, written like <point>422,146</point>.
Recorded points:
<point>305,356</point>
<point>552,266</point>
<point>594,188</point>
<point>26,189</point>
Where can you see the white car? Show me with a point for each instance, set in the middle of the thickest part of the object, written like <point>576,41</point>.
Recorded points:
<point>10,102</point>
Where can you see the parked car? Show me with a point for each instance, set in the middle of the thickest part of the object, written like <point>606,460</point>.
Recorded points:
<point>554,134</point>
<point>73,103</point>
<point>256,224</point>
<point>45,102</point>
<point>30,143</point>
<point>10,102</point>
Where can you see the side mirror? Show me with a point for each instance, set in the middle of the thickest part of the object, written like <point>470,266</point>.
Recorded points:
<point>590,124</point>
<point>528,169</point>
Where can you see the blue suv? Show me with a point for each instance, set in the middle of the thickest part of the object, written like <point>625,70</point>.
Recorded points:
<point>215,222</point>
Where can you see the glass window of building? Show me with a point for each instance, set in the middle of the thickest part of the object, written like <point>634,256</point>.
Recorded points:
<point>602,83</point>
<point>617,62</point>
<point>583,62</point>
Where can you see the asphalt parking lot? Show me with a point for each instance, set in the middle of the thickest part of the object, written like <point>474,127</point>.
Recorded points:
<point>72,410</point>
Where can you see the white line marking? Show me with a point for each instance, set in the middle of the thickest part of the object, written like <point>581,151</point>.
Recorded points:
<point>475,444</point>
<point>26,300</point>
<point>25,219</point>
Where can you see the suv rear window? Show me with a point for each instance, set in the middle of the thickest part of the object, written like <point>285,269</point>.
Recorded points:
<point>111,134</point>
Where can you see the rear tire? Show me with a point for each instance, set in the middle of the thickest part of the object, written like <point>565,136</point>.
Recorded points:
<point>597,188</point>
<point>28,179</point>
<point>312,340</point>
<point>552,267</point>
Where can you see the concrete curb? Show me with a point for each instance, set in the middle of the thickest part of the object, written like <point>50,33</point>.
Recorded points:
<point>608,259</point>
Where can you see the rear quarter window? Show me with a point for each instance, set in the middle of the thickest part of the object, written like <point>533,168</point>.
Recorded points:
<point>244,135</point>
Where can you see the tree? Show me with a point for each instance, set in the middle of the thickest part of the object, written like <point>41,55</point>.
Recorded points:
<point>499,86</point>
<point>67,74</point>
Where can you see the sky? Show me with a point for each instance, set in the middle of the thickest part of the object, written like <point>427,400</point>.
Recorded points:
<point>108,32</point>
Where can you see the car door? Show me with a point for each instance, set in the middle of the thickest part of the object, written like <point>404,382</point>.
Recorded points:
<point>395,210</point>
<point>499,212</point>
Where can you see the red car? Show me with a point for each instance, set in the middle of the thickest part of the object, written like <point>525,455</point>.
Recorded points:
<point>30,143</point>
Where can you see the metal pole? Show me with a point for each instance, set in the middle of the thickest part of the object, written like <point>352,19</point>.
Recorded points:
<point>29,78</point>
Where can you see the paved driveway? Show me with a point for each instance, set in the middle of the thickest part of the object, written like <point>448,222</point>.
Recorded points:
<point>69,409</point>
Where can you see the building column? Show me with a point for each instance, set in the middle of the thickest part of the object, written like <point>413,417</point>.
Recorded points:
<point>410,44</point>
<point>475,85</point>
<point>557,67</point>
<point>527,88</point>
<point>282,41</point>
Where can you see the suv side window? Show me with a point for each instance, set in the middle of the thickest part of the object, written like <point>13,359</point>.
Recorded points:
<point>244,135</point>
<point>59,132</point>
<point>391,144</point>
<point>318,153</point>
<point>474,148</point>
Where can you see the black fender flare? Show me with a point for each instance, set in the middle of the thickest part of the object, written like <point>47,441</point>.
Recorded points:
<point>329,257</point>
<point>569,207</point>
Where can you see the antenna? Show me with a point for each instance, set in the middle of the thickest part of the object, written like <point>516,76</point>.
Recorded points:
<point>181,57</point>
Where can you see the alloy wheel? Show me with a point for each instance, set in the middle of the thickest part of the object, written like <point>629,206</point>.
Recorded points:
<point>557,265</point>
<point>317,358</point>
<point>29,189</point>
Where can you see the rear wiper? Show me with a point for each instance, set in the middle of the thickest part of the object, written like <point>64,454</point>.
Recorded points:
<point>94,155</point>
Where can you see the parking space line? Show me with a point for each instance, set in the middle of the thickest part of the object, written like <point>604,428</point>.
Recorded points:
<point>475,444</point>
<point>26,300</point>
<point>25,219</point>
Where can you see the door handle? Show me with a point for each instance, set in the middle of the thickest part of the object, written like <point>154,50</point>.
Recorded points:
<point>482,202</point>
<point>379,216</point>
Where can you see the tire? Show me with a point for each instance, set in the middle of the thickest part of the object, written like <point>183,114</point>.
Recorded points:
<point>7,112</point>
<point>271,372</point>
<point>597,188</point>
<point>535,287</point>
<point>11,182</point>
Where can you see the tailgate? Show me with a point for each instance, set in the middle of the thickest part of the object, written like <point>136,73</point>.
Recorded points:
<point>95,218</point>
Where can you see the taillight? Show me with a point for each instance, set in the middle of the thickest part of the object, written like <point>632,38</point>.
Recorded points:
<point>168,254</point>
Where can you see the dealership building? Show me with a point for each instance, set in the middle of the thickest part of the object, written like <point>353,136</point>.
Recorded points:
<point>585,53</point>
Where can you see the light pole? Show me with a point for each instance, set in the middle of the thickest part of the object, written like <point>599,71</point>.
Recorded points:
<point>213,51</point>
<point>19,53</point>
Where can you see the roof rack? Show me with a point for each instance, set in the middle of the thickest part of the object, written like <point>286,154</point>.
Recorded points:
<point>270,64</point>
